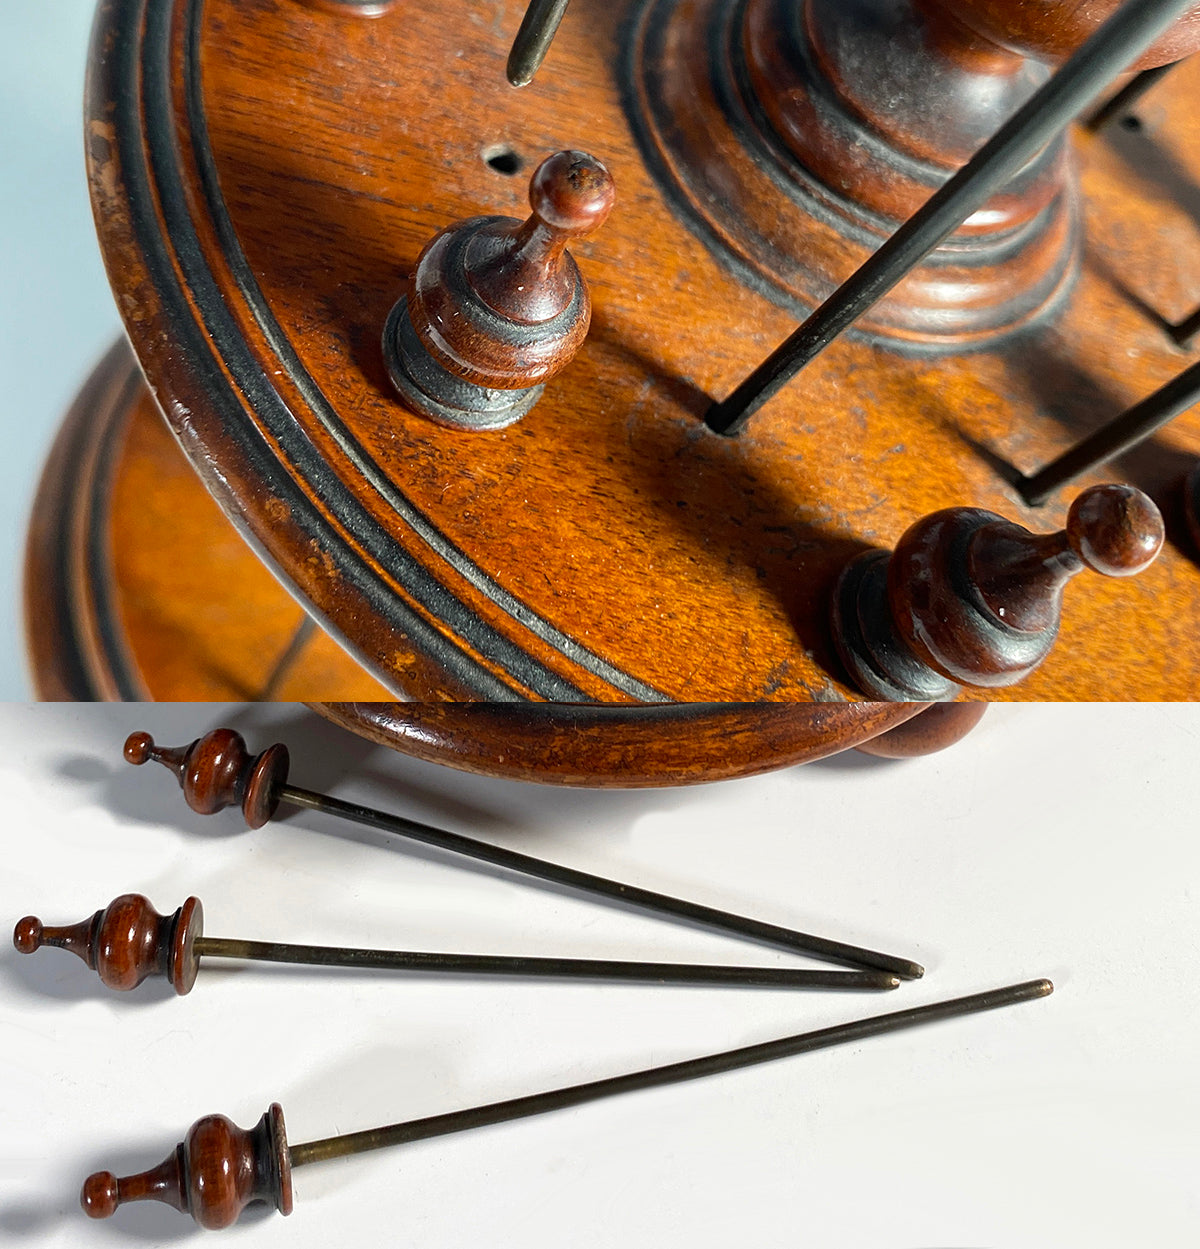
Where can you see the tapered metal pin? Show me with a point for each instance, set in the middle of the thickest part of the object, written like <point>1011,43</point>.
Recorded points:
<point>538,28</point>
<point>220,1168</point>
<point>217,771</point>
<point>1115,437</point>
<point>129,941</point>
<point>1121,104</point>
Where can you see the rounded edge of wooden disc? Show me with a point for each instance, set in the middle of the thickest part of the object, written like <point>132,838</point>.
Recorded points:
<point>619,747</point>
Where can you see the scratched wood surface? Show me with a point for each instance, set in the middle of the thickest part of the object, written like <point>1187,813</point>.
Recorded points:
<point>607,547</point>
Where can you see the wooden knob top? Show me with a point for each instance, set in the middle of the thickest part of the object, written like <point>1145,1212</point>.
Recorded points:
<point>529,278</point>
<point>217,771</point>
<point>1115,530</point>
<point>216,1172</point>
<point>571,193</point>
<point>127,942</point>
<point>979,598</point>
<point>500,303</point>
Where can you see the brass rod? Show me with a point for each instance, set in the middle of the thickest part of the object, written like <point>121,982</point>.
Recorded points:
<point>456,843</point>
<point>672,1073</point>
<point>283,665</point>
<point>520,965</point>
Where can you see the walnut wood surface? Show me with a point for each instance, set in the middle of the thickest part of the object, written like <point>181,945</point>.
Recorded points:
<point>935,729</point>
<point>179,607</point>
<point>257,209</point>
<point>619,747</point>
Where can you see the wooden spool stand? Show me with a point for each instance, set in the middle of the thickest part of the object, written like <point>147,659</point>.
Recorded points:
<point>260,214</point>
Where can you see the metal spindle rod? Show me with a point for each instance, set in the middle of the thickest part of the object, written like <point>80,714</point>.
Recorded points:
<point>1128,97</point>
<point>520,965</point>
<point>742,926</point>
<point>533,40</point>
<point>1187,329</point>
<point>305,630</point>
<point>128,942</point>
<point>1118,43</point>
<point>1119,435</point>
<point>653,1077</point>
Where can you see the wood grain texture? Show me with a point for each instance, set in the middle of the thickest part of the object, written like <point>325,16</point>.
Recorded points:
<point>620,747</point>
<point>265,175</point>
<point>127,942</point>
<point>215,1172</point>
<point>935,729</point>
<point>137,587</point>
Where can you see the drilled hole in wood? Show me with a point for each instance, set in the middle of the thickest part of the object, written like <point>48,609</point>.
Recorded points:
<point>503,160</point>
<point>1131,121</point>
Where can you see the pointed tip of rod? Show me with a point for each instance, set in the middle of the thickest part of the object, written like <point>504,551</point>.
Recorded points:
<point>908,971</point>
<point>520,73</point>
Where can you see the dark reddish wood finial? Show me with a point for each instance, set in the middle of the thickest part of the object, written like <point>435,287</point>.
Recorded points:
<point>968,598</point>
<point>217,771</point>
<point>127,942</point>
<point>498,306</point>
<point>216,1172</point>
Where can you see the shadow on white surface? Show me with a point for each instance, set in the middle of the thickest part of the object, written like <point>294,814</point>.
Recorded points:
<point>58,974</point>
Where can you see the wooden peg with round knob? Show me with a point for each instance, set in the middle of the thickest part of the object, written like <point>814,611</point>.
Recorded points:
<point>217,771</point>
<point>969,598</point>
<point>498,306</point>
<point>216,1172</point>
<point>127,942</point>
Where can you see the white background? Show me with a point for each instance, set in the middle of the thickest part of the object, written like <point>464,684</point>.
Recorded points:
<point>56,313</point>
<point>1056,840</point>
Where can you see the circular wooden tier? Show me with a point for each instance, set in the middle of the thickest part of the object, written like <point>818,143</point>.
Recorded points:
<point>266,172</point>
<point>640,747</point>
<point>137,587</point>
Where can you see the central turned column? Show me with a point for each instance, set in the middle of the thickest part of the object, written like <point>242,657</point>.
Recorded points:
<point>797,135</point>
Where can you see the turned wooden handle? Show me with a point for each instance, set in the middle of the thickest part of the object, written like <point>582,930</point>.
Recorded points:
<point>127,942</point>
<point>217,771</point>
<point>216,1172</point>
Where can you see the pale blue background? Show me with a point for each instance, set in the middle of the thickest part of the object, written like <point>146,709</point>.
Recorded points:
<point>56,314</point>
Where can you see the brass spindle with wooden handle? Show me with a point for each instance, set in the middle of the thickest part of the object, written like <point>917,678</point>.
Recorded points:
<point>219,1168</point>
<point>129,941</point>
<point>217,771</point>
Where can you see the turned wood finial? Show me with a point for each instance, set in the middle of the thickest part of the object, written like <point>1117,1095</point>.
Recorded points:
<point>498,306</point>
<point>968,598</point>
<point>217,771</point>
<point>127,942</point>
<point>216,1172</point>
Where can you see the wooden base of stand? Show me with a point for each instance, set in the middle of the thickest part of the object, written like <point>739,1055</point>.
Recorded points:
<point>607,547</point>
<point>137,588</point>
<point>644,747</point>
